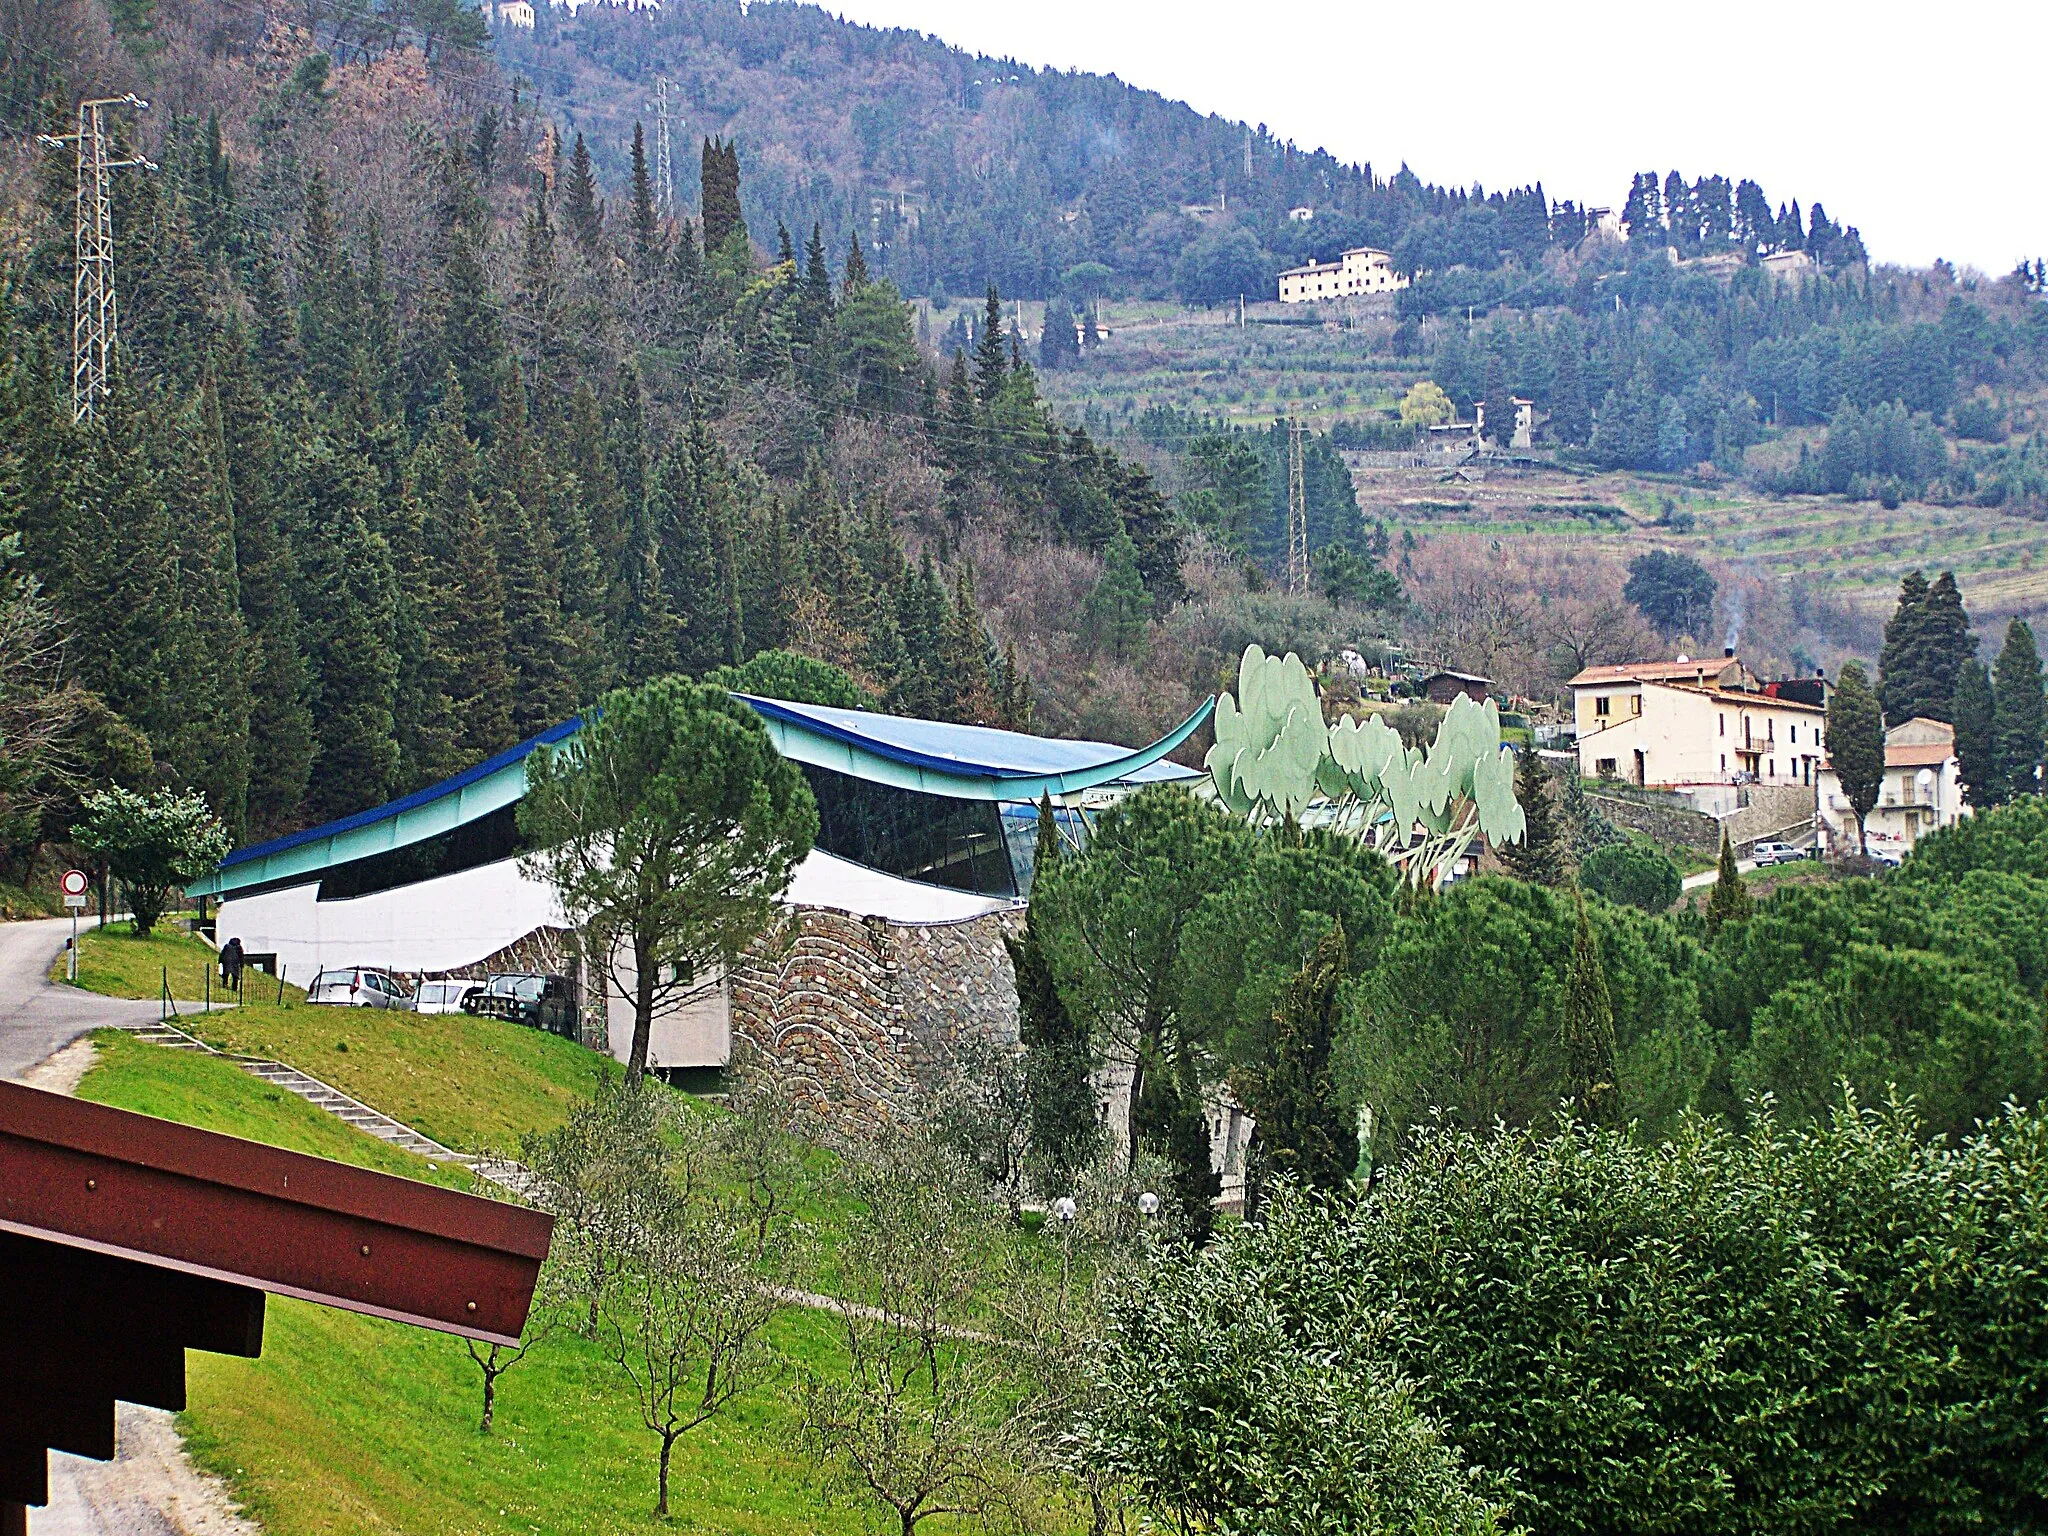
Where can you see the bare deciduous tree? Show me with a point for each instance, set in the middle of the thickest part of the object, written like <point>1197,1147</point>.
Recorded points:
<point>930,1417</point>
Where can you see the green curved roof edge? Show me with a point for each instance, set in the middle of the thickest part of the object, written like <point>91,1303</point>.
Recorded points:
<point>500,788</point>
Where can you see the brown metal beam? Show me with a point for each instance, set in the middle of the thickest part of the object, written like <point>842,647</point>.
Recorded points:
<point>131,1186</point>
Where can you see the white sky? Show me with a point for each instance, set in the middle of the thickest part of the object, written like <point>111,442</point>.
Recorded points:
<point>1920,125</point>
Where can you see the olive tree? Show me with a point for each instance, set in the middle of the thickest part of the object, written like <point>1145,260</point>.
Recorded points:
<point>670,826</point>
<point>152,844</point>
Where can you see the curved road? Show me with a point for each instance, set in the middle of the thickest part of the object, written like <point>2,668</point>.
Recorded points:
<point>37,1015</point>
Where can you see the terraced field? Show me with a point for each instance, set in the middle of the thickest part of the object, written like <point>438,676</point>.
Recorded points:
<point>1850,553</point>
<point>1845,555</point>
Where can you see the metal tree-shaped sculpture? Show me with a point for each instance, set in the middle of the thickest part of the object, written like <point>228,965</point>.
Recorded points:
<point>1274,760</point>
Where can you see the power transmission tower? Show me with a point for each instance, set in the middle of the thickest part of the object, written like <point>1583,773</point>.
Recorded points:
<point>1297,510</point>
<point>664,172</point>
<point>95,317</point>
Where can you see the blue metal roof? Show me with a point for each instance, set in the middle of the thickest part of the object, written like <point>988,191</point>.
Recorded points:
<point>961,761</point>
<point>968,751</point>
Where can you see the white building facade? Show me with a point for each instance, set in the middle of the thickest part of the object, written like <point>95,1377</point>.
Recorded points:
<point>1686,724</point>
<point>1365,270</point>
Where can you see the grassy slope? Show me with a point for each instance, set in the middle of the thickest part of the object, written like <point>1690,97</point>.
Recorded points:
<point>350,1424</point>
<point>467,1082</point>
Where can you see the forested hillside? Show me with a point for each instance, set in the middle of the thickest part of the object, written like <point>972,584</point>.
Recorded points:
<point>422,432</point>
<point>959,169</point>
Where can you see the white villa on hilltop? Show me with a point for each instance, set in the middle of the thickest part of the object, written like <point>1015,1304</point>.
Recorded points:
<point>1361,271</point>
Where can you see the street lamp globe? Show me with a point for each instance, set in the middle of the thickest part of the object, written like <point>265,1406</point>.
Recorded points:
<point>1065,1209</point>
<point>1148,1204</point>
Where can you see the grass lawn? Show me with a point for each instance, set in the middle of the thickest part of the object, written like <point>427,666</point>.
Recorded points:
<point>470,1083</point>
<point>350,1424</point>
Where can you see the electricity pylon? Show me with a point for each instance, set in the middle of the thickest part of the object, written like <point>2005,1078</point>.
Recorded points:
<point>664,175</point>
<point>95,316</point>
<point>1297,509</point>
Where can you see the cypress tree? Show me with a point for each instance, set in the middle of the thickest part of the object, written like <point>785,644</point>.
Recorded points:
<point>267,589</point>
<point>352,616</point>
<point>537,642</point>
<point>1730,901</point>
<point>1059,346</point>
<point>216,675</point>
<point>466,620</point>
<point>1856,743</point>
<point>1120,609</point>
<point>1977,737</point>
<point>966,654</point>
<point>1949,645</point>
<point>1588,1029</point>
<point>1065,1132</point>
<point>2017,710</point>
<point>719,185</point>
<point>1303,1133</point>
<point>1539,856</point>
<point>1170,1122</point>
<point>1902,664</point>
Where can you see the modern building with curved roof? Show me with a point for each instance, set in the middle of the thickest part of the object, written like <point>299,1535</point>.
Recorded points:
<point>920,822</point>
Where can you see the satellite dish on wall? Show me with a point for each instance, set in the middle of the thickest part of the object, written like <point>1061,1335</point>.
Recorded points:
<point>1924,780</point>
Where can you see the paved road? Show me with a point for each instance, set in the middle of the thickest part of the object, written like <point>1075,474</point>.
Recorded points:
<point>38,1016</point>
<point>1712,876</point>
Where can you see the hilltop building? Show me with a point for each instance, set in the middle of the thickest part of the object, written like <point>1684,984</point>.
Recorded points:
<point>1365,270</point>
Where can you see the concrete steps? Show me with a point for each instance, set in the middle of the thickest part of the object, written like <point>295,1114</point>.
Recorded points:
<point>310,1088</point>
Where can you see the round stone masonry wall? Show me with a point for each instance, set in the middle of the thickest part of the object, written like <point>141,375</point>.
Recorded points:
<point>859,1017</point>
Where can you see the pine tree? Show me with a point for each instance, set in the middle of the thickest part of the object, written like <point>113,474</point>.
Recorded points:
<point>1856,742</point>
<point>1977,737</point>
<point>1588,1029</point>
<point>814,299</point>
<point>1571,413</point>
<point>1730,901</point>
<point>2017,710</point>
<point>646,227</point>
<point>1303,1133</point>
<point>966,655</point>
<point>1540,856</point>
<point>991,357</point>
<point>1120,609</point>
<point>581,209</point>
<point>856,275</point>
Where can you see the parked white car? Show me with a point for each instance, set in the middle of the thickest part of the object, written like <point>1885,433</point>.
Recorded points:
<point>444,996</point>
<point>358,986</point>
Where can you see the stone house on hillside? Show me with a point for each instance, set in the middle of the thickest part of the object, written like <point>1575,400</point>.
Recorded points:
<point>1690,724</point>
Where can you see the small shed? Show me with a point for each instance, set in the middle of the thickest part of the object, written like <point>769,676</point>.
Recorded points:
<point>1445,687</point>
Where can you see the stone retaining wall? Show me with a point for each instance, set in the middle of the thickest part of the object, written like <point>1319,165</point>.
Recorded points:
<point>859,1016</point>
<point>1664,818</point>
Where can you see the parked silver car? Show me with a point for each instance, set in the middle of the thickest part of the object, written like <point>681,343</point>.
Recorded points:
<point>1767,854</point>
<point>358,986</point>
<point>444,996</point>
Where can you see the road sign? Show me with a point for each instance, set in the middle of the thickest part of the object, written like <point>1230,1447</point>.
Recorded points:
<point>74,884</point>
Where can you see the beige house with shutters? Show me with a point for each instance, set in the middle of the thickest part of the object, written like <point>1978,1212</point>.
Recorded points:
<point>1922,790</point>
<point>1689,724</point>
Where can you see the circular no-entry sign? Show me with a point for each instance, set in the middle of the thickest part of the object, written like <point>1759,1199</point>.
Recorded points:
<point>74,882</point>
